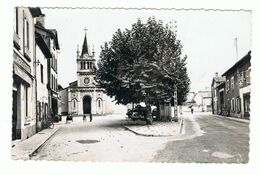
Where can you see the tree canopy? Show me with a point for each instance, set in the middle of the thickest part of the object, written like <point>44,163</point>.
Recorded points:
<point>144,63</point>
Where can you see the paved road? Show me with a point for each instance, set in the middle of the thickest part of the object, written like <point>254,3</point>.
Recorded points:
<point>222,141</point>
<point>206,139</point>
<point>104,139</point>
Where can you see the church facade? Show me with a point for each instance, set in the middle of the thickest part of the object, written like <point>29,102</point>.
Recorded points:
<point>85,96</point>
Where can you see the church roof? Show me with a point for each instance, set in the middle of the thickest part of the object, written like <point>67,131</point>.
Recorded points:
<point>84,46</point>
<point>73,84</point>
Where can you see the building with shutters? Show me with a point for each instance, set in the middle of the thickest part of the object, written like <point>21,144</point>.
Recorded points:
<point>231,92</point>
<point>23,116</point>
<point>237,96</point>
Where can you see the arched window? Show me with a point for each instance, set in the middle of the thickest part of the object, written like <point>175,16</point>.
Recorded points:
<point>99,103</point>
<point>83,65</point>
<point>88,65</point>
<point>74,104</point>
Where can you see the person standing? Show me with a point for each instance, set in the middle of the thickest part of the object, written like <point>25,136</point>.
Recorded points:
<point>84,117</point>
<point>90,117</point>
<point>191,109</point>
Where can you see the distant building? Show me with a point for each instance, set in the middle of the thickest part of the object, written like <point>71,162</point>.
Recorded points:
<point>237,97</point>
<point>190,98</point>
<point>203,100</point>
<point>217,94</point>
<point>63,101</point>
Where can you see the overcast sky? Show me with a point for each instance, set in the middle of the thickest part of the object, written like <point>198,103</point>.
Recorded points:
<point>207,37</point>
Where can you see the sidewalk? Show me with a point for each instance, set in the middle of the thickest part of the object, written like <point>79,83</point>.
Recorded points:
<point>232,118</point>
<point>26,148</point>
<point>157,129</point>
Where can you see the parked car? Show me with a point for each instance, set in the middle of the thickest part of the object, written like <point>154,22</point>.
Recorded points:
<point>155,113</point>
<point>140,113</point>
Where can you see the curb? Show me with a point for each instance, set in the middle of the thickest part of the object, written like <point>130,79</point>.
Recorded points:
<point>232,119</point>
<point>42,143</point>
<point>146,135</point>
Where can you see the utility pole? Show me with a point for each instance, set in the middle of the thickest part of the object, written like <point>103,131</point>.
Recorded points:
<point>235,44</point>
<point>175,104</point>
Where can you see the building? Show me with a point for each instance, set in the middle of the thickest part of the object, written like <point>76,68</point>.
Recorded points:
<point>63,100</point>
<point>32,55</point>
<point>42,57</point>
<point>217,94</point>
<point>203,100</point>
<point>85,96</point>
<point>23,117</point>
<point>237,97</point>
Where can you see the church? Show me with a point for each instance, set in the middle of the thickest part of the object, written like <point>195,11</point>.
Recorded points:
<point>85,96</point>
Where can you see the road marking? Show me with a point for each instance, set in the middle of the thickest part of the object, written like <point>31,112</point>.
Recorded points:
<point>222,155</point>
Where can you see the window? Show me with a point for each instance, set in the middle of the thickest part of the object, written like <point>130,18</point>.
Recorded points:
<point>87,65</point>
<point>232,82</point>
<point>240,79</point>
<point>26,33</point>
<point>247,103</point>
<point>244,77</point>
<point>238,104</point>
<point>248,76</point>
<point>27,30</point>
<point>99,103</point>
<point>56,65</point>
<point>16,20</point>
<point>83,65</point>
<point>26,101</point>
<point>74,104</point>
<point>51,81</point>
<point>40,110</point>
<point>227,85</point>
<point>41,73</point>
<point>233,107</point>
<point>54,81</point>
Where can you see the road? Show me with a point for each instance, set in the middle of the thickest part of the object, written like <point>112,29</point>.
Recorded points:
<point>206,139</point>
<point>222,141</point>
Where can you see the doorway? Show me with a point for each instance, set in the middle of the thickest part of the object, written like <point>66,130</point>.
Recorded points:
<point>87,105</point>
<point>14,117</point>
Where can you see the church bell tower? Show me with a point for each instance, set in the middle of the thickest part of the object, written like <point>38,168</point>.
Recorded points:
<point>86,67</point>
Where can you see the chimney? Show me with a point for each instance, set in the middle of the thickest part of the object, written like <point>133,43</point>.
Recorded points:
<point>216,74</point>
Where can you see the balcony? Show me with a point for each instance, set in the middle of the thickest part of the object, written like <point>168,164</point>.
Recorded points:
<point>16,40</point>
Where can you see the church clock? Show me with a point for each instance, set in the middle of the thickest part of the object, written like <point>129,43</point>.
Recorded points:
<point>86,80</point>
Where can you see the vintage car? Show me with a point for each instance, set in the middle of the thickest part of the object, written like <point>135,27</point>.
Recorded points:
<point>140,113</point>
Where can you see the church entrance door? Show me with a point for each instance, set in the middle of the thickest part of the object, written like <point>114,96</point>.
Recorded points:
<point>87,105</point>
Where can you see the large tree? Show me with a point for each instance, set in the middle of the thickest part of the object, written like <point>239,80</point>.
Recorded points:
<point>144,63</point>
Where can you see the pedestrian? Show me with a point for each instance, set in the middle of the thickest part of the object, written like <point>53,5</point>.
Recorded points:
<point>84,117</point>
<point>90,117</point>
<point>191,109</point>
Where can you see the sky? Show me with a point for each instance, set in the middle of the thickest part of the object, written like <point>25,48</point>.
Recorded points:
<point>207,37</point>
